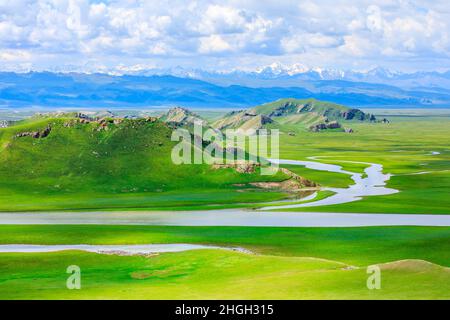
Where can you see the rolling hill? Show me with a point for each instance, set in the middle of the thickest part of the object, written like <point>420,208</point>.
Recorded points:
<point>72,161</point>
<point>307,113</point>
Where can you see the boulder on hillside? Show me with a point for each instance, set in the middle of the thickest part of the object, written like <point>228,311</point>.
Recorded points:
<point>239,166</point>
<point>356,114</point>
<point>326,125</point>
<point>35,134</point>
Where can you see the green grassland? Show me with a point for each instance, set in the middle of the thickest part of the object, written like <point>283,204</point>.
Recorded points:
<point>329,179</point>
<point>213,274</point>
<point>129,165</point>
<point>290,263</point>
<point>357,246</point>
<point>403,147</point>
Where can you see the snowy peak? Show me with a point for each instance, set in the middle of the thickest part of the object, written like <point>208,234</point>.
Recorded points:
<point>278,68</point>
<point>268,75</point>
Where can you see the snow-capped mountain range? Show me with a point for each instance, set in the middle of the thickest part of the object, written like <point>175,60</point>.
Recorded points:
<point>278,74</point>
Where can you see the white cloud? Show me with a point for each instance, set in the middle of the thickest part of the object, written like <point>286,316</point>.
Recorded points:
<point>357,46</point>
<point>14,56</point>
<point>213,43</point>
<point>303,42</point>
<point>10,32</point>
<point>221,19</point>
<point>340,32</point>
<point>374,21</point>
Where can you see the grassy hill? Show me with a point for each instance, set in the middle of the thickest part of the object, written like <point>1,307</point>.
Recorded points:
<point>82,164</point>
<point>291,106</point>
<point>302,112</point>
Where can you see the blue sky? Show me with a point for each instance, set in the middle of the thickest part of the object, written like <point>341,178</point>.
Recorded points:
<point>223,35</point>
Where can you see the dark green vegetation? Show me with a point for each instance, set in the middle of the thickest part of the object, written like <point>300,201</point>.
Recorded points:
<point>110,165</point>
<point>281,269</point>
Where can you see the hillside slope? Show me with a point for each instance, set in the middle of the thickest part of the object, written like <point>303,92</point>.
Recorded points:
<point>69,162</point>
<point>307,113</point>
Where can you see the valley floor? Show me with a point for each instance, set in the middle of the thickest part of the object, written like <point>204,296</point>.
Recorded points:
<point>413,150</point>
<point>286,263</point>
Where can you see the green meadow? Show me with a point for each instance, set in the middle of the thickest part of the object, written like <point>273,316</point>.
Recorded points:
<point>130,168</point>
<point>287,263</point>
<point>404,147</point>
<point>126,166</point>
<point>112,170</point>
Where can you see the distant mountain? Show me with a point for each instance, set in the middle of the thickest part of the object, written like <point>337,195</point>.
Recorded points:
<point>278,74</point>
<point>297,75</point>
<point>77,90</point>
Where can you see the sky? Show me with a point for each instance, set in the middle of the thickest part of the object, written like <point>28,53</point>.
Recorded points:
<point>83,35</point>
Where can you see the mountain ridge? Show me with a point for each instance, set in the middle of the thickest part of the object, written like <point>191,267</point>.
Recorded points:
<point>310,113</point>
<point>75,90</point>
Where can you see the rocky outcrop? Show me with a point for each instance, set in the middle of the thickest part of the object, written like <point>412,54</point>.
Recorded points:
<point>151,119</point>
<point>239,166</point>
<point>285,109</point>
<point>294,183</point>
<point>265,120</point>
<point>83,116</point>
<point>180,117</point>
<point>35,134</point>
<point>303,181</point>
<point>326,125</point>
<point>357,114</point>
<point>244,121</point>
<point>103,123</point>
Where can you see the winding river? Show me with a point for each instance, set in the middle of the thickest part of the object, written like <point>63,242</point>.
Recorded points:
<point>141,249</point>
<point>373,183</point>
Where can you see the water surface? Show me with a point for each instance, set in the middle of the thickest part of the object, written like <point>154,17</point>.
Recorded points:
<point>229,217</point>
<point>110,249</point>
<point>372,184</point>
